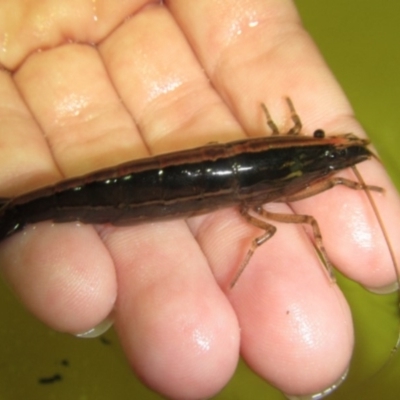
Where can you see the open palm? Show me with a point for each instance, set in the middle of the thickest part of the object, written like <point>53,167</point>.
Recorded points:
<point>95,85</point>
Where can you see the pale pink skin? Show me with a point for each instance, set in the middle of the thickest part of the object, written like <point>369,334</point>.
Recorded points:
<point>72,108</point>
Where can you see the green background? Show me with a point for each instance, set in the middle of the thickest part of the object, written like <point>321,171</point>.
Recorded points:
<point>360,41</point>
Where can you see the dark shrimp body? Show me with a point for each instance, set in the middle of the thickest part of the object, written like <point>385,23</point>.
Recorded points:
<point>247,172</point>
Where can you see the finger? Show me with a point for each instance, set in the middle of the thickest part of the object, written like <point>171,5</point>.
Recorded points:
<point>292,316</point>
<point>22,145</point>
<point>63,284</point>
<point>86,127</point>
<point>70,97</point>
<point>169,305</point>
<point>176,327</point>
<point>259,52</point>
<point>350,226</point>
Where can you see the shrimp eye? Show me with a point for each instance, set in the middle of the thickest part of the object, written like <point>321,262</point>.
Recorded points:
<point>319,133</point>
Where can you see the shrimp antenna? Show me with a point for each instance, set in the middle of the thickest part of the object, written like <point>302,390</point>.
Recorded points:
<point>386,237</point>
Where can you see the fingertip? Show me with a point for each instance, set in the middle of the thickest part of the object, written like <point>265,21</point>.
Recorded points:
<point>187,347</point>
<point>296,325</point>
<point>176,326</point>
<point>62,273</point>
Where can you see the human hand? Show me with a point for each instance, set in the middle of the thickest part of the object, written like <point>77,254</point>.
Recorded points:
<point>145,86</point>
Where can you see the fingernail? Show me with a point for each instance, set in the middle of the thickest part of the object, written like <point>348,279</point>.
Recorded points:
<point>321,394</point>
<point>98,330</point>
<point>393,287</point>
